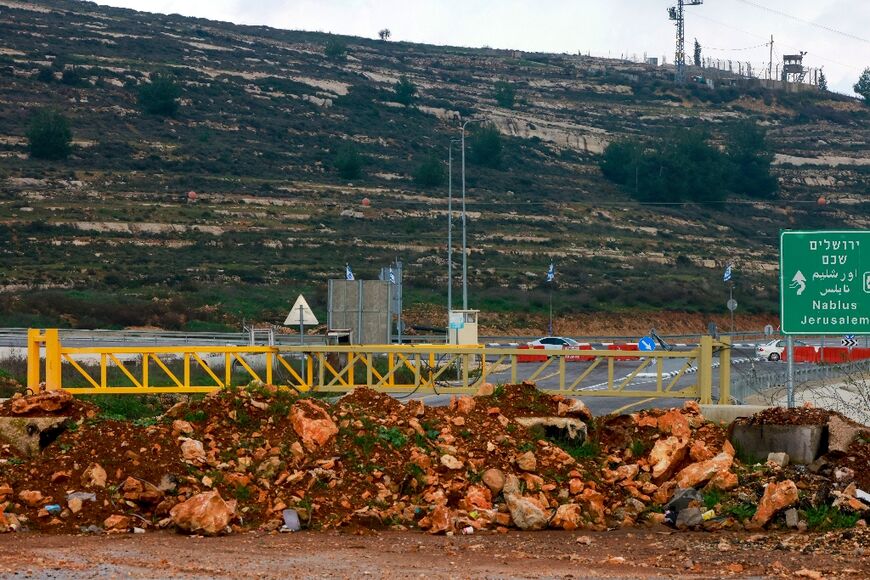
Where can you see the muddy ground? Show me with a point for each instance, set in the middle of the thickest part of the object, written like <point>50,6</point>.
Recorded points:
<point>639,553</point>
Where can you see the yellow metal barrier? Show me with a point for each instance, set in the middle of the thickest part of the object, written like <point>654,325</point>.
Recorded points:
<point>391,368</point>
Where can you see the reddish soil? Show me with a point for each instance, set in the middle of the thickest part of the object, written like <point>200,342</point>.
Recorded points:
<point>592,324</point>
<point>386,469</point>
<point>655,552</point>
<point>798,416</point>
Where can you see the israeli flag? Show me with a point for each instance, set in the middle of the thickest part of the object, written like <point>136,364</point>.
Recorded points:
<point>392,277</point>
<point>727,276</point>
<point>348,273</point>
<point>551,272</point>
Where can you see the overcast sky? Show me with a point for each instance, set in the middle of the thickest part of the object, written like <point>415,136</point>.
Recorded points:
<point>602,27</point>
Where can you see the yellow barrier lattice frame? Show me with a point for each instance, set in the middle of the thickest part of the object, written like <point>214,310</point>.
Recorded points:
<point>337,369</point>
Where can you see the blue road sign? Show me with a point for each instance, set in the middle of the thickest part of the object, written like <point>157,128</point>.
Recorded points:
<point>646,344</point>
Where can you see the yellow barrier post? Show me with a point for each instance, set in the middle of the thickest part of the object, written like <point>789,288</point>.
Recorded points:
<point>705,370</point>
<point>725,371</point>
<point>34,374</point>
<point>52,360</point>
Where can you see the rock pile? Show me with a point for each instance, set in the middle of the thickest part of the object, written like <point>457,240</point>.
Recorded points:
<point>240,458</point>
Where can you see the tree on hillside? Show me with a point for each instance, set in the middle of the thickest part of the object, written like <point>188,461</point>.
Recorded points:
<point>683,167</point>
<point>823,81</point>
<point>405,90</point>
<point>505,94</point>
<point>862,87</point>
<point>384,34</point>
<point>335,49</point>
<point>49,135</point>
<point>349,162</point>
<point>621,160</point>
<point>45,75</point>
<point>697,53</point>
<point>72,77</point>
<point>430,173</point>
<point>486,146</point>
<point>160,96</point>
<point>750,160</point>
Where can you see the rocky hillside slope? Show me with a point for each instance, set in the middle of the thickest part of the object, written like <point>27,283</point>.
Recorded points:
<point>263,115</point>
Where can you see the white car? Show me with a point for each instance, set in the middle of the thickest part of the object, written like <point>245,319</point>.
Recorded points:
<point>773,350</point>
<point>555,342</point>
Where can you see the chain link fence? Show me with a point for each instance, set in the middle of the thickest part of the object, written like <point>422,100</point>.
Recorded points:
<point>840,387</point>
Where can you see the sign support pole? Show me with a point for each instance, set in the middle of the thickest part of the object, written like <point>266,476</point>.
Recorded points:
<point>789,349</point>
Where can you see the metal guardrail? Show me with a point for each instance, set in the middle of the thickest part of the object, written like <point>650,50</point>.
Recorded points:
<point>393,368</point>
<point>764,382</point>
<point>17,337</point>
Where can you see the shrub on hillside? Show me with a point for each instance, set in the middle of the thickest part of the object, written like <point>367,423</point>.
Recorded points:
<point>862,87</point>
<point>505,94</point>
<point>686,167</point>
<point>750,162</point>
<point>349,162</point>
<point>49,135</point>
<point>160,96</point>
<point>430,173</point>
<point>486,146</point>
<point>405,90</point>
<point>335,49</point>
<point>72,77</point>
<point>45,75</point>
<point>682,168</point>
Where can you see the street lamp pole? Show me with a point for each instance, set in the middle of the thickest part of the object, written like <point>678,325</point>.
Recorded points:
<point>464,240</point>
<point>450,228</point>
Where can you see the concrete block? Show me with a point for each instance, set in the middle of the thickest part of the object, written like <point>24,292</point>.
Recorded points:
<point>791,518</point>
<point>779,458</point>
<point>802,443</point>
<point>728,413</point>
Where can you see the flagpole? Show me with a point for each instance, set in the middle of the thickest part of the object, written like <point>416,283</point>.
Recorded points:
<point>550,329</point>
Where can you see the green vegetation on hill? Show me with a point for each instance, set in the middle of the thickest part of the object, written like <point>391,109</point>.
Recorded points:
<point>283,133</point>
<point>685,166</point>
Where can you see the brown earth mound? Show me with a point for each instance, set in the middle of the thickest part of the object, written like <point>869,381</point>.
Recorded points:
<point>370,461</point>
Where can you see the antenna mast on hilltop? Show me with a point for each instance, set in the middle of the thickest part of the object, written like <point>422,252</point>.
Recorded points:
<point>676,13</point>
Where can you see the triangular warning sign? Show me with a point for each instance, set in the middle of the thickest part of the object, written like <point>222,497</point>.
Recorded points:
<point>302,311</point>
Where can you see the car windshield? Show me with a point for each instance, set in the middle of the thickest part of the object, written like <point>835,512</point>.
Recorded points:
<point>571,342</point>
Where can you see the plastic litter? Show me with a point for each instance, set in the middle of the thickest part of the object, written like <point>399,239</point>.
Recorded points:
<point>54,509</point>
<point>291,521</point>
<point>82,495</point>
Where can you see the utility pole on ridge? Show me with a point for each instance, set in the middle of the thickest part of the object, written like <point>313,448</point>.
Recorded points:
<point>676,14</point>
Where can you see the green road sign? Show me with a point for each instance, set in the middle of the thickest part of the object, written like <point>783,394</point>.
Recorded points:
<point>824,282</point>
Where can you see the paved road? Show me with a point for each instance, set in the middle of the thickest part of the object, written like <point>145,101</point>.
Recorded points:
<point>595,381</point>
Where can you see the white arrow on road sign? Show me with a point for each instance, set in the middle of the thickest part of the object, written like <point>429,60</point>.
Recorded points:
<point>646,344</point>
<point>301,314</point>
<point>799,282</point>
<point>849,340</point>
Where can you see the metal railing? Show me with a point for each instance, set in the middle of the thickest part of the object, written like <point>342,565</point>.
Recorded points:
<point>17,337</point>
<point>392,368</point>
<point>764,383</point>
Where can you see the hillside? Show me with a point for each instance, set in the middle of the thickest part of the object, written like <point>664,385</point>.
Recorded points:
<point>109,237</point>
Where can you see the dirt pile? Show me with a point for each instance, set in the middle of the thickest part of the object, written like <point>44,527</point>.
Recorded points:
<point>239,458</point>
